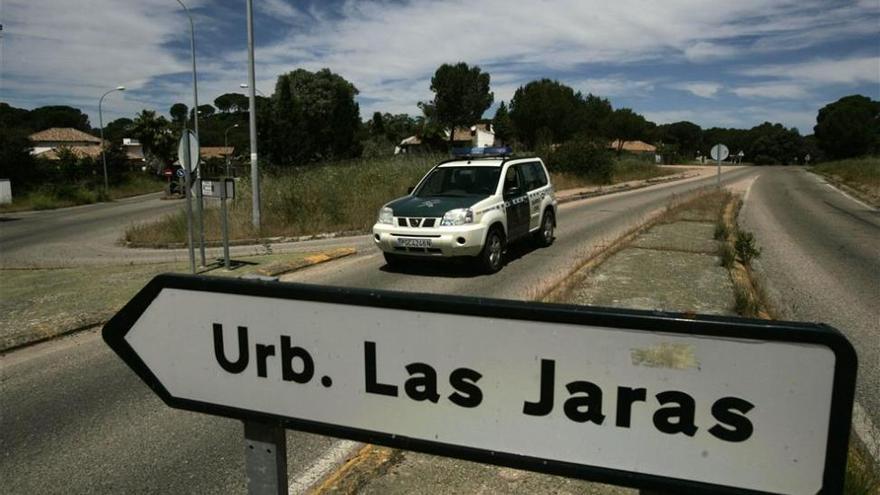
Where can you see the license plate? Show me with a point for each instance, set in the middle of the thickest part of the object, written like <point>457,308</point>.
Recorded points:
<point>416,243</point>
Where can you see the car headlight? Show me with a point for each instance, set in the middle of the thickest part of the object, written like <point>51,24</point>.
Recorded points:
<point>459,216</point>
<point>386,215</point>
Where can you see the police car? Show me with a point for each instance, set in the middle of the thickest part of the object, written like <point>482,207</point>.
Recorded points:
<point>470,206</point>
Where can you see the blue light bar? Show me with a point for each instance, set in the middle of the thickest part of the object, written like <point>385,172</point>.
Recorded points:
<point>483,151</point>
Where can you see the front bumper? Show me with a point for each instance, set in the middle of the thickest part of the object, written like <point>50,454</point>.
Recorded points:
<point>461,240</point>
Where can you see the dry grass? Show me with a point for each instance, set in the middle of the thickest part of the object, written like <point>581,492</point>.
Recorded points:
<point>339,197</point>
<point>861,175</point>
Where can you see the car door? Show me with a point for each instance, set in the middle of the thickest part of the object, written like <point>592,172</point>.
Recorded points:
<point>532,184</point>
<point>516,204</point>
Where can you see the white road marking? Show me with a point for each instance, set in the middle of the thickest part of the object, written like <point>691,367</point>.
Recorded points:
<point>841,191</point>
<point>749,188</point>
<point>336,454</point>
<point>867,432</point>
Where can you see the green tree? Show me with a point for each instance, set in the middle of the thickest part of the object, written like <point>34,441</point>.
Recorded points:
<point>314,117</point>
<point>118,129</point>
<point>849,127</point>
<point>502,124</point>
<point>593,116</point>
<point>155,135</point>
<point>223,102</point>
<point>377,124</point>
<point>773,144</point>
<point>58,116</point>
<point>178,113</point>
<point>16,162</point>
<point>549,105</point>
<point>461,95</point>
<point>625,125</point>
<point>205,111</point>
<point>685,138</point>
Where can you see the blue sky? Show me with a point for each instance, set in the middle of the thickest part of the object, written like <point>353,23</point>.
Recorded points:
<point>731,63</point>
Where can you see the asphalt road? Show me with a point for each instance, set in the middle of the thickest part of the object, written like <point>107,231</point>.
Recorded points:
<point>80,234</point>
<point>75,420</point>
<point>821,262</point>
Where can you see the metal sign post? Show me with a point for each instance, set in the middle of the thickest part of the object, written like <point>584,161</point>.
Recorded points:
<point>223,189</point>
<point>719,153</point>
<point>656,401</point>
<point>187,148</point>
<point>265,458</point>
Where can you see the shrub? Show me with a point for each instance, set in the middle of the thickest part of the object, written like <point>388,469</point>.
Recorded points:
<point>583,157</point>
<point>745,246</point>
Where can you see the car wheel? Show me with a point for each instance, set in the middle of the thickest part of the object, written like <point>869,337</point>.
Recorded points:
<point>393,260</point>
<point>491,259</point>
<point>544,235</point>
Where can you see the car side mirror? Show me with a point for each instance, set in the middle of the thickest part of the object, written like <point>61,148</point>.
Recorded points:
<point>410,189</point>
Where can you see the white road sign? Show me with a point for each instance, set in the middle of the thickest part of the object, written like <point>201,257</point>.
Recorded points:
<point>719,152</point>
<point>189,138</point>
<point>643,399</point>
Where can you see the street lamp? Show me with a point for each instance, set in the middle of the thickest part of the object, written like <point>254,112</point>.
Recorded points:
<point>200,200</point>
<point>252,120</point>
<point>101,123</point>
<point>226,145</point>
<point>245,86</point>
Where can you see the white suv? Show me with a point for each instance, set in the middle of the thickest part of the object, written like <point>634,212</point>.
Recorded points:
<point>470,207</point>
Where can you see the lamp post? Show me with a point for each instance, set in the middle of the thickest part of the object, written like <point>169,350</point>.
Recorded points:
<point>200,200</point>
<point>252,106</point>
<point>246,86</point>
<point>101,123</point>
<point>226,145</point>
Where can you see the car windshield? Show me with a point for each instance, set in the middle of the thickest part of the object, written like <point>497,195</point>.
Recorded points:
<point>459,181</point>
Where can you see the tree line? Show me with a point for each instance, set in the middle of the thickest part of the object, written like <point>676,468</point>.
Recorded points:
<point>315,116</point>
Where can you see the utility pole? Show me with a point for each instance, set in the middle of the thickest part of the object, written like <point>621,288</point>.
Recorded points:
<point>255,171</point>
<point>199,201</point>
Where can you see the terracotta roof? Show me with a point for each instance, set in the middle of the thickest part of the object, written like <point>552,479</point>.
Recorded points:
<point>64,134</point>
<point>79,151</point>
<point>216,151</point>
<point>634,146</point>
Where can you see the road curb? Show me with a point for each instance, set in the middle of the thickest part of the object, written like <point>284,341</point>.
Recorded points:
<point>621,188</point>
<point>254,241</point>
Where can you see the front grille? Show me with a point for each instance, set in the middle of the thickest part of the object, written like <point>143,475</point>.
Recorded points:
<point>416,222</point>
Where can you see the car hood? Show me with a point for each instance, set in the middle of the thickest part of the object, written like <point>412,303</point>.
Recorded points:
<point>430,206</point>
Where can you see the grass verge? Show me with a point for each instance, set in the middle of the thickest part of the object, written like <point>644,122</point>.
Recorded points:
<point>36,304</point>
<point>338,197</point>
<point>860,176</point>
<point>52,196</point>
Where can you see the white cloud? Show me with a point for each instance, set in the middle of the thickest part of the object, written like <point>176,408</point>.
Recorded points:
<point>389,50</point>
<point>703,51</point>
<point>699,88</point>
<point>615,86</point>
<point>279,9</point>
<point>772,90</point>
<point>853,70</point>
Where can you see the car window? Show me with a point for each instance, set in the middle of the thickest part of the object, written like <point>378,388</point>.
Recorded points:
<point>538,173</point>
<point>460,181</point>
<point>511,179</point>
<point>528,175</point>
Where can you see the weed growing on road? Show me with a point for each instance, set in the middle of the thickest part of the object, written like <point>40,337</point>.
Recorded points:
<point>745,245</point>
<point>726,254</point>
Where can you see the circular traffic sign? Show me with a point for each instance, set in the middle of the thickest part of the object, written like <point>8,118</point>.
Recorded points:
<point>719,152</point>
<point>180,172</point>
